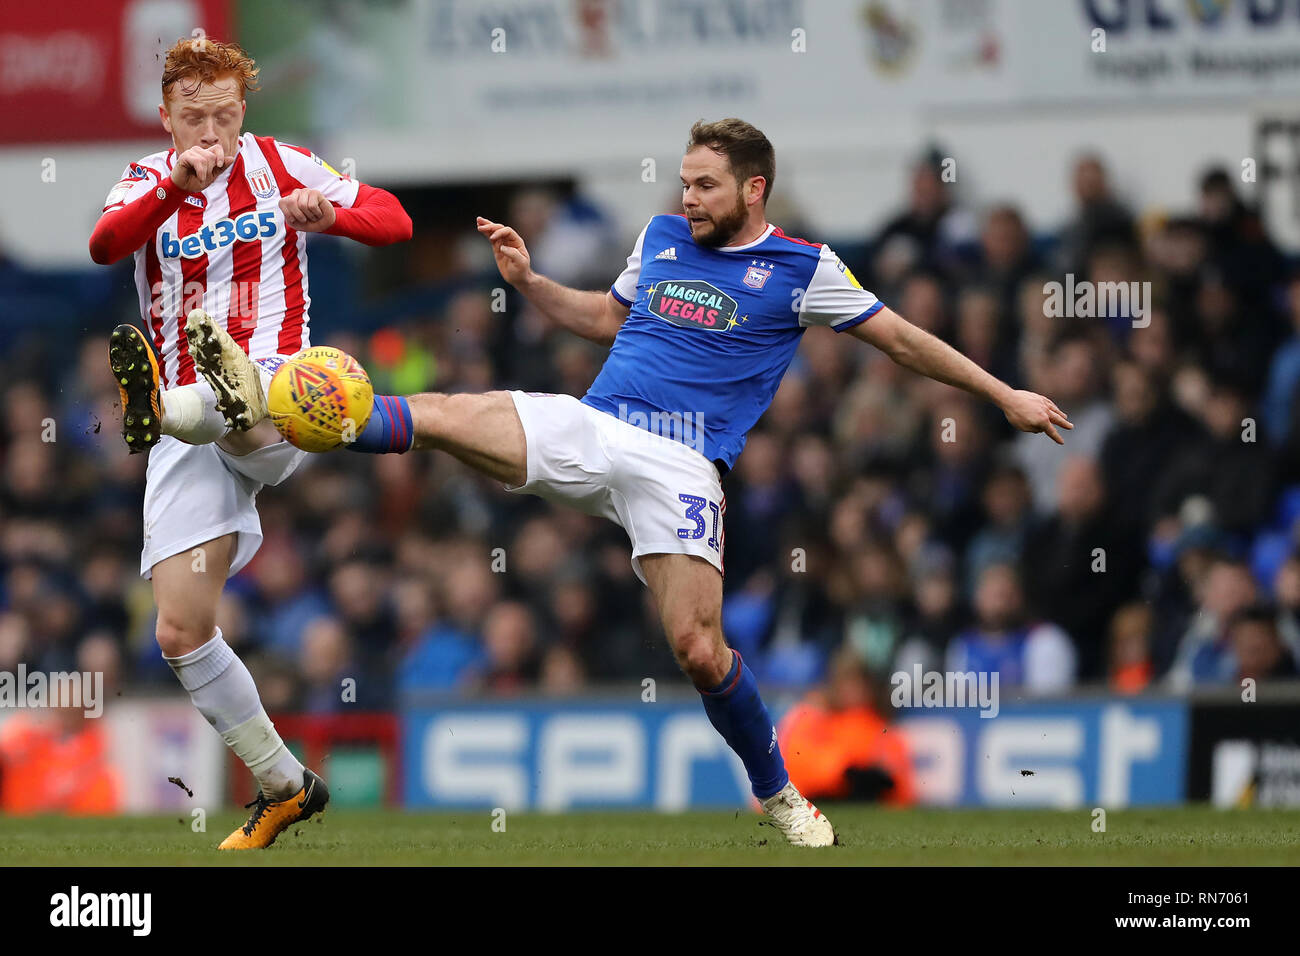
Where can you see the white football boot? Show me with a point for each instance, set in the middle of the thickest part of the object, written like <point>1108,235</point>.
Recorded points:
<point>801,822</point>
<point>234,377</point>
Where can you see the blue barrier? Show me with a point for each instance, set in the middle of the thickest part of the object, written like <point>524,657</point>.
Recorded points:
<point>563,755</point>
<point>1080,753</point>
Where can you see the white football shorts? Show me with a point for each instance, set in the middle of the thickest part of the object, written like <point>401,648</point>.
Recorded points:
<point>664,494</point>
<point>194,493</point>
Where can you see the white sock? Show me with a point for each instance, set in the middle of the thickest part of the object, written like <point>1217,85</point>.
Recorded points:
<point>222,689</point>
<point>189,412</point>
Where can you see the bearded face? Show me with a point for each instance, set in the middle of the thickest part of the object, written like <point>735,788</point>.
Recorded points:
<point>718,229</point>
<point>713,199</point>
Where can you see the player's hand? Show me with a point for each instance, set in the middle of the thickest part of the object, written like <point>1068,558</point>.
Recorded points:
<point>1031,412</point>
<point>307,210</point>
<point>198,166</point>
<point>511,254</point>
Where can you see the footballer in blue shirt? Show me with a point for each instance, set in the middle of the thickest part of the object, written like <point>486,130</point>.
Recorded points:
<point>701,325</point>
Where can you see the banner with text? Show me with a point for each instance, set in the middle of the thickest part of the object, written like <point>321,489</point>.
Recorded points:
<point>85,70</point>
<point>598,80</point>
<point>666,756</point>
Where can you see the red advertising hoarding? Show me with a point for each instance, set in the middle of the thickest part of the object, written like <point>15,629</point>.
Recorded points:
<point>88,70</point>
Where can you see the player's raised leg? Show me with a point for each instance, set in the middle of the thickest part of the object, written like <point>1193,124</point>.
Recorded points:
<point>688,593</point>
<point>186,591</point>
<point>483,431</point>
<point>149,411</point>
<point>239,385</point>
<point>235,379</point>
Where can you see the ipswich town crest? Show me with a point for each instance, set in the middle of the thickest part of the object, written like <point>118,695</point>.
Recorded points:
<point>756,275</point>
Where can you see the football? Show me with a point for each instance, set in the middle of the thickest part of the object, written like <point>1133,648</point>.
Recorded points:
<point>320,399</point>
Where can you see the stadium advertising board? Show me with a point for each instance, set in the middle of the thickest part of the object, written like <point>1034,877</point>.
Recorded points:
<point>88,69</point>
<point>126,761</point>
<point>152,741</point>
<point>479,77</point>
<point>666,756</point>
<point>561,756</point>
<point>1105,752</point>
<point>1245,755</point>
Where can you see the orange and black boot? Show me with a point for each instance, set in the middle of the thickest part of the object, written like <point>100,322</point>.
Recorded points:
<point>136,372</point>
<point>269,819</point>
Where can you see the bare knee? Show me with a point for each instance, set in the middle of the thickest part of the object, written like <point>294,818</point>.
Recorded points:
<point>702,655</point>
<point>179,634</point>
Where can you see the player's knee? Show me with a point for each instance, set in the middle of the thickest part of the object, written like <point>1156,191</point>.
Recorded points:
<point>179,634</point>
<point>701,654</point>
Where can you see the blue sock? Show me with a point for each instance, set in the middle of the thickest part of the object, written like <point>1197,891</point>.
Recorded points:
<point>738,713</point>
<point>389,428</point>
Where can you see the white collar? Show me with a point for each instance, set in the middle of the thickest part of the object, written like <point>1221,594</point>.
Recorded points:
<point>749,245</point>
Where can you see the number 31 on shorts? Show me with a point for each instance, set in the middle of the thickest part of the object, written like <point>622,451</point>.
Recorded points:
<point>695,506</point>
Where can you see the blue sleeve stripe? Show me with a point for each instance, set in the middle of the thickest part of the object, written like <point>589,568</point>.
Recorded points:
<point>859,319</point>
<point>614,292</point>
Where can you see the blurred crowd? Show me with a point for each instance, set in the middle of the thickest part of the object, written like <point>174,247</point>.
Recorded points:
<point>876,519</point>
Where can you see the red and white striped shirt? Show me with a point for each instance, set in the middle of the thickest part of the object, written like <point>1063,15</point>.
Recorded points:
<point>228,249</point>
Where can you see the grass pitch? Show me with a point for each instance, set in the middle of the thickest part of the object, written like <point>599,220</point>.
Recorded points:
<point>869,836</point>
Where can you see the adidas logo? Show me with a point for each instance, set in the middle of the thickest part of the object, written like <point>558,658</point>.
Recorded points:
<point>669,253</point>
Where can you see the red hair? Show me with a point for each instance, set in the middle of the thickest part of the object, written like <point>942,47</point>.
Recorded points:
<point>192,61</point>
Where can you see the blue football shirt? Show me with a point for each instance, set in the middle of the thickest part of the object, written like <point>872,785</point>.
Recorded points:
<point>712,331</point>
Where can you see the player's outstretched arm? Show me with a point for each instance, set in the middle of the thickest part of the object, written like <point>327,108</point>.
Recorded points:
<point>596,316</point>
<point>922,352</point>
